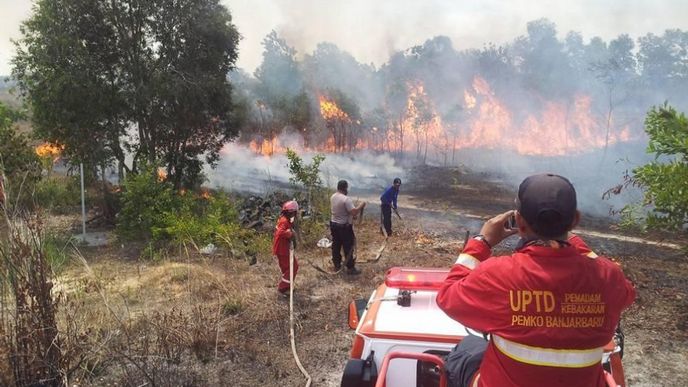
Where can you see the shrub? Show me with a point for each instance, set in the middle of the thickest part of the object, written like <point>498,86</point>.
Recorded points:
<point>58,193</point>
<point>18,161</point>
<point>317,197</point>
<point>146,203</point>
<point>664,180</point>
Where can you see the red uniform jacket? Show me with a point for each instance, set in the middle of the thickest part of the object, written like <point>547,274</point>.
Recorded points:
<point>283,233</point>
<point>549,311</point>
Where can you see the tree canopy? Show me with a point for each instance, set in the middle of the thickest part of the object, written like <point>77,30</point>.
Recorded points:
<point>128,77</point>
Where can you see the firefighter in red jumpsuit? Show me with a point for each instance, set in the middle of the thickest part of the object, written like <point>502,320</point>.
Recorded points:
<point>284,235</point>
<point>549,308</point>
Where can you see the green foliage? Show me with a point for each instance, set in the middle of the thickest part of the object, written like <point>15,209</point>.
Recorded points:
<point>317,200</point>
<point>55,249</point>
<point>306,174</point>
<point>196,222</point>
<point>152,211</point>
<point>665,181</point>
<point>213,220</point>
<point>632,217</point>
<point>18,161</point>
<point>145,203</point>
<point>232,307</point>
<point>58,193</point>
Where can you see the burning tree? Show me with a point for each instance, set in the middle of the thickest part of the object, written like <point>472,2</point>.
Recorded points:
<point>281,100</point>
<point>432,100</point>
<point>341,117</point>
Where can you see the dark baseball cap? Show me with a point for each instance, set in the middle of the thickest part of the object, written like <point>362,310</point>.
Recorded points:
<point>548,203</point>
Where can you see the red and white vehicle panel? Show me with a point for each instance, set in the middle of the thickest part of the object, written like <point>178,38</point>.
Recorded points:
<point>401,319</point>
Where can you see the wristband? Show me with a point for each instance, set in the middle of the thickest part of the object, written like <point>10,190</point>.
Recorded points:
<point>481,238</point>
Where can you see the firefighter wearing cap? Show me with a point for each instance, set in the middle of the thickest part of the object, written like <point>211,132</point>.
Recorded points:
<point>283,237</point>
<point>388,201</point>
<point>549,308</point>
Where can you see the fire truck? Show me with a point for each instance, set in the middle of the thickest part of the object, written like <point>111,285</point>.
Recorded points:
<point>402,336</point>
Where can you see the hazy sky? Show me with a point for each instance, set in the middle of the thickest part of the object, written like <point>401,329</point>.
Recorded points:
<point>371,29</point>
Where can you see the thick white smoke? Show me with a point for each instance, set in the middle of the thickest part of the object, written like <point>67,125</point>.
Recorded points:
<point>241,169</point>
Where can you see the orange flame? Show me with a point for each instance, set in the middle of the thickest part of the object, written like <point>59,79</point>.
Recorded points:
<point>162,174</point>
<point>48,150</point>
<point>267,147</point>
<point>557,130</point>
<point>422,120</point>
<point>469,99</point>
<point>331,112</point>
<point>486,122</point>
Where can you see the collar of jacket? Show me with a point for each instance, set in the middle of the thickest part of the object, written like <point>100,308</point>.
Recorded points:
<point>549,246</point>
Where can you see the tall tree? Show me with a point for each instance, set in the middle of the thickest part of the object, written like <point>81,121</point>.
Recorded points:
<point>280,86</point>
<point>328,67</point>
<point>148,78</point>
<point>278,75</point>
<point>663,62</point>
<point>616,73</point>
<point>544,62</point>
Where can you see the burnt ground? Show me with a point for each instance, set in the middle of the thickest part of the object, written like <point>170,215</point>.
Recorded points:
<point>252,346</point>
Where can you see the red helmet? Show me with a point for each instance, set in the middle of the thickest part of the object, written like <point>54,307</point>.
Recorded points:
<point>290,206</point>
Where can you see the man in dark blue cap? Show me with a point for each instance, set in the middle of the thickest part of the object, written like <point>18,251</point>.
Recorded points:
<point>388,201</point>
<point>550,307</point>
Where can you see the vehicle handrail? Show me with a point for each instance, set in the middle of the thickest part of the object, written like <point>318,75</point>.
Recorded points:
<point>610,380</point>
<point>382,375</point>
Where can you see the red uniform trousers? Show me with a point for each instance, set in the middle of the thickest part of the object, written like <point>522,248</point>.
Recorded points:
<point>284,284</point>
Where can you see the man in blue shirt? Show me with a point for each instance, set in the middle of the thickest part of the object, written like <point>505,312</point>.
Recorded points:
<point>388,201</point>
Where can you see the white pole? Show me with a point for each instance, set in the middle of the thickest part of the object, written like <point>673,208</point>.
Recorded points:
<point>83,203</point>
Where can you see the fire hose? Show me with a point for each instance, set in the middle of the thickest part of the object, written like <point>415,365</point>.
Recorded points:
<point>291,315</point>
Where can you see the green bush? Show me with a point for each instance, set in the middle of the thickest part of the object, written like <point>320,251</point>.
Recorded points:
<point>18,161</point>
<point>152,211</point>
<point>146,204</point>
<point>200,221</point>
<point>665,179</point>
<point>58,193</point>
<point>196,221</point>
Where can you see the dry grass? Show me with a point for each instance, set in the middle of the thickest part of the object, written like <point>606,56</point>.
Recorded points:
<point>28,328</point>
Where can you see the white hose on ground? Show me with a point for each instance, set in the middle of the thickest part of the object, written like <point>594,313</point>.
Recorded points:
<point>291,315</point>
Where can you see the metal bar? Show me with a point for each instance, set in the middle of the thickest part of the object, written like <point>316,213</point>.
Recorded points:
<point>382,375</point>
<point>83,202</point>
